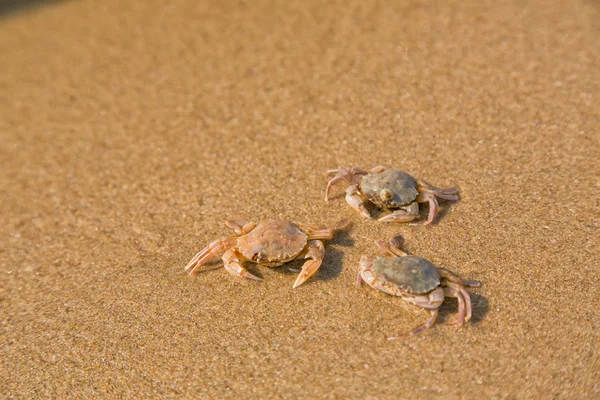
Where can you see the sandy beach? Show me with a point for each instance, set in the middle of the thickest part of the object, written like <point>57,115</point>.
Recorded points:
<point>129,131</point>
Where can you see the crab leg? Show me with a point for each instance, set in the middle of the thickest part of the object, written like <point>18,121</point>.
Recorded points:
<point>453,290</point>
<point>340,174</point>
<point>469,283</point>
<point>315,252</point>
<point>351,171</point>
<point>468,305</point>
<point>353,198</point>
<point>398,216</point>
<point>209,252</point>
<point>446,194</point>
<point>359,280</point>
<point>322,234</point>
<point>339,177</point>
<point>376,170</point>
<point>455,282</point>
<point>369,278</point>
<point>431,302</point>
<point>233,265</point>
<point>319,233</point>
<point>434,206</point>
<point>429,194</point>
<point>444,273</point>
<point>240,226</point>
<point>390,248</point>
<point>433,317</point>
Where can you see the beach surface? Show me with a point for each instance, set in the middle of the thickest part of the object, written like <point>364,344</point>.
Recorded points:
<point>129,131</point>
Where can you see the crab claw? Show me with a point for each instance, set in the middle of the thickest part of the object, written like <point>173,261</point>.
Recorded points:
<point>308,270</point>
<point>315,254</point>
<point>248,275</point>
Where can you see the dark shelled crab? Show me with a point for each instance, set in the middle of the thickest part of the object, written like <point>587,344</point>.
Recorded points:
<point>391,189</point>
<point>417,281</point>
<point>271,243</point>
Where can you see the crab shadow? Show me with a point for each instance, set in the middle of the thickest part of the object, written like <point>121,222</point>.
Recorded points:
<point>9,7</point>
<point>450,307</point>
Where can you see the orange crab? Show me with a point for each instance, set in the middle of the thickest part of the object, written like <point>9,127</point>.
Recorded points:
<point>271,243</point>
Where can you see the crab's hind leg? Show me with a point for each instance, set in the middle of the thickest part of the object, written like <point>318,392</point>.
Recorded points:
<point>232,261</point>
<point>468,305</point>
<point>456,290</point>
<point>359,279</point>
<point>444,273</point>
<point>323,233</point>
<point>464,304</point>
<point>430,194</point>
<point>434,206</point>
<point>209,252</point>
<point>432,318</point>
<point>431,302</point>
<point>351,171</point>
<point>446,194</point>
<point>315,251</point>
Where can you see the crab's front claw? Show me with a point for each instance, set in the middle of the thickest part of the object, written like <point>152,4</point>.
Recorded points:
<point>233,265</point>
<point>308,270</point>
<point>303,277</point>
<point>315,254</point>
<point>353,198</point>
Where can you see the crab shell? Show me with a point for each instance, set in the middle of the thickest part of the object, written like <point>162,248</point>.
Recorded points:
<point>273,242</point>
<point>411,274</point>
<point>391,188</point>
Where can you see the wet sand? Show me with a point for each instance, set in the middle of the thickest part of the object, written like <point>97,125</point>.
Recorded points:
<point>129,133</point>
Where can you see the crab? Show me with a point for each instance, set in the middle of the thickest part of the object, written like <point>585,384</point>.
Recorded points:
<point>271,243</point>
<point>391,189</point>
<point>417,281</point>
